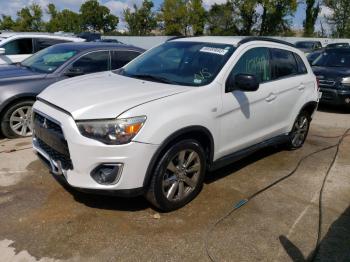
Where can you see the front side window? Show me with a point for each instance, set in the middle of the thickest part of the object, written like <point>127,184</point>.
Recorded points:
<point>49,59</point>
<point>22,46</point>
<point>180,62</point>
<point>283,63</point>
<point>121,58</point>
<point>42,43</point>
<point>256,62</point>
<point>92,62</point>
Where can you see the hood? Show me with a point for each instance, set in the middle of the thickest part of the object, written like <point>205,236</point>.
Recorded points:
<point>16,72</point>
<point>105,95</point>
<point>333,73</point>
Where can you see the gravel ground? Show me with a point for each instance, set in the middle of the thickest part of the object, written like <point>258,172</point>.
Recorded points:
<point>43,219</point>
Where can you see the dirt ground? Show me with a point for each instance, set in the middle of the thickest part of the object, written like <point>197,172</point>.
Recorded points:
<point>43,219</point>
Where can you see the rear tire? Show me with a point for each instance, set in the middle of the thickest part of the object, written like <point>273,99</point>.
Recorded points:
<point>299,131</point>
<point>178,176</point>
<point>16,121</point>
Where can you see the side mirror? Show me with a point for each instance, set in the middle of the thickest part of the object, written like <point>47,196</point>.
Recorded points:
<point>74,71</point>
<point>2,51</point>
<point>244,82</point>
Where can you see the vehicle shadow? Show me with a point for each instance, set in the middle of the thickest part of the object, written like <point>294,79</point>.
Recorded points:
<point>333,247</point>
<point>235,166</point>
<point>333,109</point>
<point>107,202</point>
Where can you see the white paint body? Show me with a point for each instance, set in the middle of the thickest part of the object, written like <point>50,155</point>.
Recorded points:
<point>236,120</point>
<point>16,58</point>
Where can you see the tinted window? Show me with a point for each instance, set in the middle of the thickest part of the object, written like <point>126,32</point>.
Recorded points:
<point>41,43</point>
<point>93,62</point>
<point>284,63</point>
<point>181,62</point>
<point>335,58</point>
<point>121,58</point>
<point>301,66</point>
<point>22,46</point>
<point>254,62</point>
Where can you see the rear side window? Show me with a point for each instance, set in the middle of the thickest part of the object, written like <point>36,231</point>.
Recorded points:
<point>92,62</point>
<point>301,66</point>
<point>283,63</point>
<point>256,62</point>
<point>42,43</point>
<point>121,58</point>
<point>22,46</point>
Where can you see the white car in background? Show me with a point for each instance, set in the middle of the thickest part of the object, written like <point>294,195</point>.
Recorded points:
<point>15,47</point>
<point>190,105</point>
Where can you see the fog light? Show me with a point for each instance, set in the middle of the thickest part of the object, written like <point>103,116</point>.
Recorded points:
<point>347,100</point>
<point>107,174</point>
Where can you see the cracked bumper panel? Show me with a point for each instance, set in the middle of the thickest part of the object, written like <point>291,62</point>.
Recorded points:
<point>86,154</point>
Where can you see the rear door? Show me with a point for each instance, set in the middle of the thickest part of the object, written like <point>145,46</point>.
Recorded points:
<point>248,117</point>
<point>18,49</point>
<point>291,80</point>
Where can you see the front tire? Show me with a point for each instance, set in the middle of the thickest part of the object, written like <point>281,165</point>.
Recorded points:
<point>16,121</point>
<point>300,131</point>
<point>178,176</point>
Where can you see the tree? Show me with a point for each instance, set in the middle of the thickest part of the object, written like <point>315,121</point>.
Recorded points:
<point>221,20</point>
<point>96,17</point>
<point>142,20</point>
<point>29,18</point>
<point>66,20</point>
<point>6,23</point>
<point>174,17</point>
<point>274,19</point>
<point>196,16</point>
<point>311,12</point>
<point>340,18</point>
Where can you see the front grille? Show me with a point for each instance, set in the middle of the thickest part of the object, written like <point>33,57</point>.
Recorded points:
<point>327,83</point>
<point>50,138</point>
<point>57,156</point>
<point>327,96</point>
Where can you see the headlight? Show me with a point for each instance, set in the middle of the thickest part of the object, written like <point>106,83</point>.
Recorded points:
<point>112,132</point>
<point>346,81</point>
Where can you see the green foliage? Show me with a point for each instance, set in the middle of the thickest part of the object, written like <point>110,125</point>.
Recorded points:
<point>66,20</point>
<point>142,20</point>
<point>6,23</point>
<point>96,17</point>
<point>197,16</point>
<point>29,19</point>
<point>312,10</point>
<point>173,16</point>
<point>274,19</point>
<point>221,20</point>
<point>340,18</point>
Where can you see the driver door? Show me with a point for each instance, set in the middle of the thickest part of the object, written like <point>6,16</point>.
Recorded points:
<point>248,117</point>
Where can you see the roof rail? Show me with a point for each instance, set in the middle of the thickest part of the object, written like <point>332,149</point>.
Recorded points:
<point>260,38</point>
<point>177,37</point>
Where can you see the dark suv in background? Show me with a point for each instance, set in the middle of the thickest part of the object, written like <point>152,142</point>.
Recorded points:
<point>332,69</point>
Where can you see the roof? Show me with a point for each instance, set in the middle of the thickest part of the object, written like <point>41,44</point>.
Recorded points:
<point>82,46</point>
<point>232,40</point>
<point>48,35</point>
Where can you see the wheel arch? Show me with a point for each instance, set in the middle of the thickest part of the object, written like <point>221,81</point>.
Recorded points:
<point>199,133</point>
<point>310,107</point>
<point>15,99</point>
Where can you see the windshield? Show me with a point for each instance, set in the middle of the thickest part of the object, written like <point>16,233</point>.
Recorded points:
<point>49,59</point>
<point>333,59</point>
<point>182,63</point>
<point>304,44</point>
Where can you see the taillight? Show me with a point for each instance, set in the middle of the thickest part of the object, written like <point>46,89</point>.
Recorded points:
<point>318,84</point>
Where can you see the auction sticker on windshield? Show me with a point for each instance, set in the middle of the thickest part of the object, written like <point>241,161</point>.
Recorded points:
<point>214,50</point>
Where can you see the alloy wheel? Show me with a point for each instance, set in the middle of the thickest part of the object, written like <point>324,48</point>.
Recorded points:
<point>301,127</point>
<point>21,122</point>
<point>181,175</point>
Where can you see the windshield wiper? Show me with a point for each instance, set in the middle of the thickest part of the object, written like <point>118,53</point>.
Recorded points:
<point>153,78</point>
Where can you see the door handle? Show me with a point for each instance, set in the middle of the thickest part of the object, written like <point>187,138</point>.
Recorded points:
<point>271,97</point>
<point>301,87</point>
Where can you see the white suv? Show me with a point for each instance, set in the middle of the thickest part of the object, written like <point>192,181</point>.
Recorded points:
<point>190,105</point>
<point>15,47</point>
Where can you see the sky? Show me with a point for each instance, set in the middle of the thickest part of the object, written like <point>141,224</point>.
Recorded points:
<point>9,7</point>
